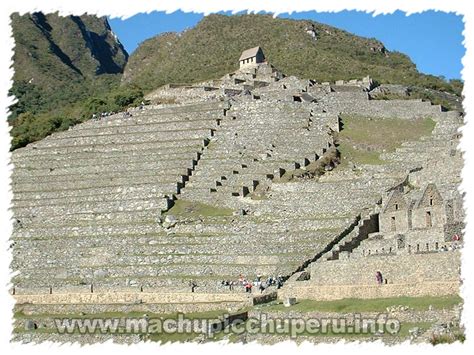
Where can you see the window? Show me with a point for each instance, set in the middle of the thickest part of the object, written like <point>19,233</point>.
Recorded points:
<point>428,219</point>
<point>431,202</point>
<point>393,226</point>
<point>396,206</point>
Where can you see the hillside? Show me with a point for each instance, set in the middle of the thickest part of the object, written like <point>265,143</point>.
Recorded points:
<point>211,49</point>
<point>59,60</point>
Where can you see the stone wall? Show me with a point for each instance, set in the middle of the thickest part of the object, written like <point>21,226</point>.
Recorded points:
<point>335,292</point>
<point>88,202</point>
<point>130,297</point>
<point>400,269</point>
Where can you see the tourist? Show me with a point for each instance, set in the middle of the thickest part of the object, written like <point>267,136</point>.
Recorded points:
<point>248,287</point>
<point>270,281</point>
<point>279,281</point>
<point>193,285</point>
<point>378,277</point>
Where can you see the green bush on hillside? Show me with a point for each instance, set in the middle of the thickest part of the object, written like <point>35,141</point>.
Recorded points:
<point>28,127</point>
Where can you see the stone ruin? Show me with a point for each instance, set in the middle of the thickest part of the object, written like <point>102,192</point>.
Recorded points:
<point>89,203</point>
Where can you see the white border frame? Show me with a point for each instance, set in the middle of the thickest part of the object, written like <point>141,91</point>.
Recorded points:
<point>127,9</point>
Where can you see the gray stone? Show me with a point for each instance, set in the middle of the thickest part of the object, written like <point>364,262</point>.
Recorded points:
<point>100,273</point>
<point>30,325</point>
<point>289,301</point>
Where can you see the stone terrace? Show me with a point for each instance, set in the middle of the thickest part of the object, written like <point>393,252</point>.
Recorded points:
<point>88,201</point>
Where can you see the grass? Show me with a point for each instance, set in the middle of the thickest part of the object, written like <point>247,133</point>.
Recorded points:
<point>196,209</point>
<point>339,306</point>
<point>457,335</point>
<point>363,139</point>
<point>370,305</point>
<point>212,314</point>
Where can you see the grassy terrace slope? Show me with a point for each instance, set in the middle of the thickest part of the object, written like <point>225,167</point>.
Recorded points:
<point>211,49</point>
<point>362,139</point>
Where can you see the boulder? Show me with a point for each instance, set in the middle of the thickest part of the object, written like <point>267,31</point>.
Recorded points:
<point>30,325</point>
<point>170,221</point>
<point>289,301</point>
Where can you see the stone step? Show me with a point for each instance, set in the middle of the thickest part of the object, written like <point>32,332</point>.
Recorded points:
<point>280,225</point>
<point>86,184</point>
<point>164,145</point>
<point>251,127</point>
<point>86,155</point>
<point>185,108</point>
<point>54,275</point>
<point>166,283</point>
<point>87,259</point>
<point>51,171</point>
<point>126,138</point>
<point>156,114</point>
<point>129,127</point>
<point>95,207</point>
<point>83,161</point>
<point>120,194</point>
<point>134,176</point>
<point>106,218</point>
<point>150,238</point>
<point>236,119</point>
<point>90,194</point>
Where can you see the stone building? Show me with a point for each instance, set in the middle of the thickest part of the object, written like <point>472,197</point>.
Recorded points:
<point>429,211</point>
<point>403,212</point>
<point>417,221</point>
<point>396,214</point>
<point>251,56</point>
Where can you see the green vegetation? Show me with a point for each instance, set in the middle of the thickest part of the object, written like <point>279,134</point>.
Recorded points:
<point>211,50</point>
<point>197,209</point>
<point>362,139</point>
<point>345,306</point>
<point>213,314</point>
<point>67,68</point>
<point>28,127</point>
<point>60,63</point>
<point>368,305</point>
<point>457,335</point>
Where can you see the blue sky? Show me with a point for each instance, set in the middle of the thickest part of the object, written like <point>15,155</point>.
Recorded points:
<point>433,40</point>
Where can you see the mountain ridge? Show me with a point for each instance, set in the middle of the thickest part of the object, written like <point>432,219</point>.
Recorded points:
<point>62,59</point>
<point>303,48</point>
